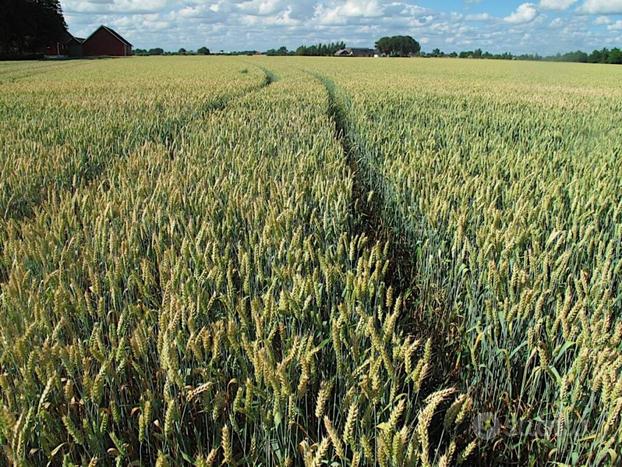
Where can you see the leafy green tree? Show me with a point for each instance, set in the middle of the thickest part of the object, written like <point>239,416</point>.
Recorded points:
<point>322,50</point>
<point>27,26</point>
<point>203,51</point>
<point>280,51</point>
<point>156,51</point>
<point>577,56</point>
<point>615,56</point>
<point>598,56</point>
<point>400,46</point>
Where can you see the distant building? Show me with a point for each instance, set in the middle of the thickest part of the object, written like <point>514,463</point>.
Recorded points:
<point>66,46</point>
<point>354,52</point>
<point>103,42</point>
<point>73,46</point>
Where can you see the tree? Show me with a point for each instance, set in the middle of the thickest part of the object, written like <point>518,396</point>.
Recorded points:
<point>182,51</point>
<point>156,51</point>
<point>398,46</point>
<point>598,56</point>
<point>27,26</point>
<point>322,50</point>
<point>577,56</point>
<point>615,56</point>
<point>203,51</point>
<point>280,51</point>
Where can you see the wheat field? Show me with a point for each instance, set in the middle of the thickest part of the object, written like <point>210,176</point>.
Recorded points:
<point>310,261</point>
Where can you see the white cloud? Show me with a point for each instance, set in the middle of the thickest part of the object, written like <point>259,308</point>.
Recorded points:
<point>264,24</point>
<point>261,7</point>
<point>525,13</point>
<point>602,7</point>
<point>479,17</point>
<point>340,12</point>
<point>556,23</point>
<point>115,6</point>
<point>558,5</point>
<point>602,20</point>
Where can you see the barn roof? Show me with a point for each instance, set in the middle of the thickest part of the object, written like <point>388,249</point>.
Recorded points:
<point>112,32</point>
<point>77,40</point>
<point>66,37</point>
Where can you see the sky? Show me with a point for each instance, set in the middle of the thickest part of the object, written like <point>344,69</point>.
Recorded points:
<point>541,26</point>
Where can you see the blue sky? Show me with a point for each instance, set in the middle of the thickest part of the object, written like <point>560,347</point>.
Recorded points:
<point>543,26</point>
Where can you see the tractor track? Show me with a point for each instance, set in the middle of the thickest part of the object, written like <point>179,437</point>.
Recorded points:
<point>367,205</point>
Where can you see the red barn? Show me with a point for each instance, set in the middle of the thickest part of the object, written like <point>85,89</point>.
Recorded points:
<point>105,41</point>
<point>66,45</point>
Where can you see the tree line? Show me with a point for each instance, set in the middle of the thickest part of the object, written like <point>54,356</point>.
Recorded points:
<point>317,50</point>
<point>28,26</point>
<point>397,49</point>
<point>605,56</point>
<point>403,46</point>
<point>322,50</point>
<point>395,46</point>
<point>182,51</point>
<point>612,57</point>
